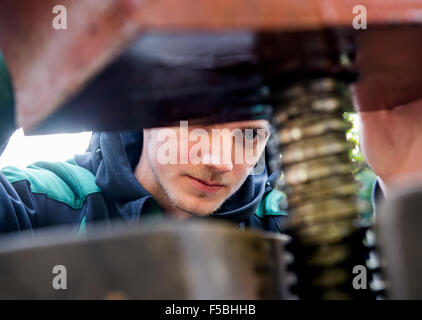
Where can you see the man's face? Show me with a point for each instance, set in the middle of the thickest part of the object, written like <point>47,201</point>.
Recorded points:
<point>199,167</point>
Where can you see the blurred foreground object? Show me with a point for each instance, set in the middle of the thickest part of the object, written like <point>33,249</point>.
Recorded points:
<point>193,260</point>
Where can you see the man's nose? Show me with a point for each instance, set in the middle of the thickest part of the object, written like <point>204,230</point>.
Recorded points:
<point>219,156</point>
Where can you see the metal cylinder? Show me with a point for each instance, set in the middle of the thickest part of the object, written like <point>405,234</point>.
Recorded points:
<point>316,176</point>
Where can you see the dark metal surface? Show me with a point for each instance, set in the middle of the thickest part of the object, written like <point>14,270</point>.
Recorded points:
<point>163,78</point>
<point>193,260</point>
<point>399,222</point>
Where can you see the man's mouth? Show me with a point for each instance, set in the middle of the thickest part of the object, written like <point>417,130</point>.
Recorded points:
<point>204,185</point>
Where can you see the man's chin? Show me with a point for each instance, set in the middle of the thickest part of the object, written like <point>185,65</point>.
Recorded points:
<point>198,212</point>
<point>200,209</point>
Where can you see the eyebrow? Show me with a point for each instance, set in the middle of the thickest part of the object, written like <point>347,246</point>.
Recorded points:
<point>256,126</point>
<point>266,126</point>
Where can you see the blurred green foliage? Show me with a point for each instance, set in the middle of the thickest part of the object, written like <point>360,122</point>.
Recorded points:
<point>363,174</point>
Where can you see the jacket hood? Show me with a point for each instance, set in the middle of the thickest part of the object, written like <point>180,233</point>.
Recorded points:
<point>112,158</point>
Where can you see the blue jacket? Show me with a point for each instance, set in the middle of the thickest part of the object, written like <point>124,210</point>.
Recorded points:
<point>100,186</point>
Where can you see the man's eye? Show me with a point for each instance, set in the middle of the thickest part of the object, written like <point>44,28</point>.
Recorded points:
<point>251,134</point>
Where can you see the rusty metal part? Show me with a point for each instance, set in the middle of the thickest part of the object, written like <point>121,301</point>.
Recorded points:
<point>190,260</point>
<point>390,65</point>
<point>48,66</point>
<point>272,14</point>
